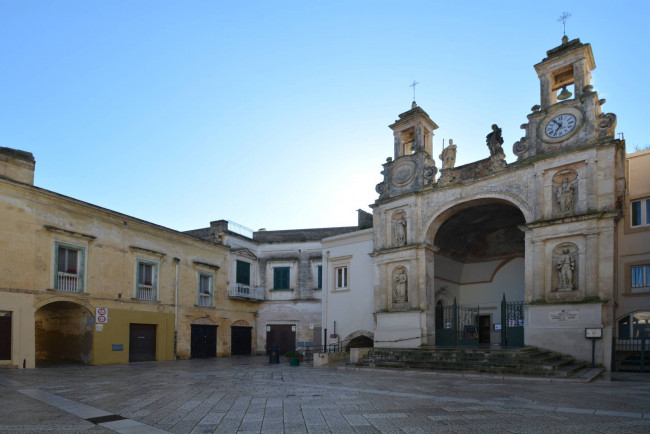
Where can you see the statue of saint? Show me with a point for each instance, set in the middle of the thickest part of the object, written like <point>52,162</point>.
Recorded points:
<point>494,141</point>
<point>564,196</point>
<point>399,229</point>
<point>448,156</point>
<point>399,293</point>
<point>566,263</point>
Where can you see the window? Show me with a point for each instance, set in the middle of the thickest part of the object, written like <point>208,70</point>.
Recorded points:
<point>243,273</point>
<point>634,326</point>
<point>319,284</point>
<point>147,280</point>
<point>341,277</point>
<point>205,289</point>
<point>640,214</point>
<point>69,268</point>
<point>640,278</point>
<point>281,278</point>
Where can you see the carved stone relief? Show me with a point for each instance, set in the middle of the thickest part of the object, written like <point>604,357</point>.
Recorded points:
<point>565,192</point>
<point>565,258</point>
<point>400,285</point>
<point>399,229</point>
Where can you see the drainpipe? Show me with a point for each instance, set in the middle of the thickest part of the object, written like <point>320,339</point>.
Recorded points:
<point>325,282</point>
<point>176,261</point>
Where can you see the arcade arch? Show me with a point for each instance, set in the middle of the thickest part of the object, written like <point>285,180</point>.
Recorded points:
<point>63,333</point>
<point>479,258</point>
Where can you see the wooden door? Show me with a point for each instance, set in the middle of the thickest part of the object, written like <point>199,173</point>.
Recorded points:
<point>281,335</point>
<point>240,341</point>
<point>142,342</point>
<point>5,335</point>
<point>204,341</point>
<point>484,325</point>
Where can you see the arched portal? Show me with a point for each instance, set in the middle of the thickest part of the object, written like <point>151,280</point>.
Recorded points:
<point>479,258</point>
<point>64,333</point>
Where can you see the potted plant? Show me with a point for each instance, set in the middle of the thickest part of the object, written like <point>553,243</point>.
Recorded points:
<point>294,357</point>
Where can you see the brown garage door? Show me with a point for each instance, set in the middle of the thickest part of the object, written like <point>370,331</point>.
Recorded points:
<point>142,343</point>
<point>5,335</point>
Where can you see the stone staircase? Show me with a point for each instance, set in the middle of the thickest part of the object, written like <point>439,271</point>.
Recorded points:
<point>520,361</point>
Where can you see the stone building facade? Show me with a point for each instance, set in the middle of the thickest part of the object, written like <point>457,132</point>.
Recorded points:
<point>84,284</point>
<point>540,242</point>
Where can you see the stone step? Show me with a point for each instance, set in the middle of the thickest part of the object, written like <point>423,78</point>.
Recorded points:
<point>522,361</point>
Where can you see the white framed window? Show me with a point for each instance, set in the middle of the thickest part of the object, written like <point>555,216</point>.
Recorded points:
<point>69,266</point>
<point>206,289</point>
<point>640,213</point>
<point>341,277</point>
<point>147,280</point>
<point>640,278</point>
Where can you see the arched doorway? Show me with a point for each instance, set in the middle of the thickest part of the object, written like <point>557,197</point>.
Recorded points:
<point>479,258</point>
<point>64,334</point>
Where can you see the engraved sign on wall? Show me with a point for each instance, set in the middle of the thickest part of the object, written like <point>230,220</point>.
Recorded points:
<point>563,316</point>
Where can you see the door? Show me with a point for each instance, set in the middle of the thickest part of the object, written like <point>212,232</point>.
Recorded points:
<point>5,335</point>
<point>204,341</point>
<point>142,342</point>
<point>484,325</point>
<point>240,338</point>
<point>284,336</point>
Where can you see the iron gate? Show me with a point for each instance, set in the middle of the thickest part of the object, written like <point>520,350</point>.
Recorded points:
<point>512,323</point>
<point>456,325</point>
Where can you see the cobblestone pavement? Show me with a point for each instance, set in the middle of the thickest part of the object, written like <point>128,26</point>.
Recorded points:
<point>245,394</point>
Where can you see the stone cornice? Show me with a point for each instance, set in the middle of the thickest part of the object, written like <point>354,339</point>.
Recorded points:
<point>69,232</point>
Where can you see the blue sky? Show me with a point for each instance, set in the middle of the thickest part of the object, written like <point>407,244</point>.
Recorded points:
<point>275,114</point>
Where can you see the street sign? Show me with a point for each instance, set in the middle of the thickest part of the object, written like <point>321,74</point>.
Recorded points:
<point>101,315</point>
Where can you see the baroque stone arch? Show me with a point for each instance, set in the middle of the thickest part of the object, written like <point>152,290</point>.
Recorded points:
<point>434,221</point>
<point>359,339</point>
<point>241,323</point>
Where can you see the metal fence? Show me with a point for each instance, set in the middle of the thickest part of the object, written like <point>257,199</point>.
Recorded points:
<point>632,355</point>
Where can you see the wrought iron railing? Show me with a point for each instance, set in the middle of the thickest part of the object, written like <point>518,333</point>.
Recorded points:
<point>146,292</point>
<point>204,300</point>
<point>246,291</point>
<point>631,354</point>
<point>68,282</point>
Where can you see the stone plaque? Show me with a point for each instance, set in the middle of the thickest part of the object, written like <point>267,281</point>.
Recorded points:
<point>563,316</point>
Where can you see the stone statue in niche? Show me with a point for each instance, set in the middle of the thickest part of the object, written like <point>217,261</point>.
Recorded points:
<point>566,264</point>
<point>399,231</point>
<point>564,196</point>
<point>400,294</point>
<point>448,156</point>
<point>494,142</point>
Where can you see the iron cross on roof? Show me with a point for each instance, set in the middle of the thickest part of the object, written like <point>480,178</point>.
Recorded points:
<point>415,83</point>
<point>563,19</point>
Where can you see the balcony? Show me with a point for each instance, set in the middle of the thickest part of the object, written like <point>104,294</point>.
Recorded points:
<point>146,292</point>
<point>68,282</point>
<point>205,300</point>
<point>239,290</point>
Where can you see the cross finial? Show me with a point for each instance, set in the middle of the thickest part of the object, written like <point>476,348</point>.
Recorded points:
<point>415,83</point>
<point>563,18</point>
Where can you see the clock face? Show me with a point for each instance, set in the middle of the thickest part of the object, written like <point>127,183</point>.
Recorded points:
<point>560,125</point>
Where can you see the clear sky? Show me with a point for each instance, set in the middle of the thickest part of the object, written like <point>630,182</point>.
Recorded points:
<point>275,114</point>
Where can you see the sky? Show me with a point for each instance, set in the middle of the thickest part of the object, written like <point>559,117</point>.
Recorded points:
<point>275,114</point>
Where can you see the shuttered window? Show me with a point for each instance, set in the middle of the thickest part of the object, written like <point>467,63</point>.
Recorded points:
<point>243,273</point>
<point>281,278</point>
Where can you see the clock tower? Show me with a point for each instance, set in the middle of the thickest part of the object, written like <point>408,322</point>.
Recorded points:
<point>568,120</point>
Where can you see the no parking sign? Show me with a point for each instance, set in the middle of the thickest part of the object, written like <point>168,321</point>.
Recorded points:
<point>101,315</point>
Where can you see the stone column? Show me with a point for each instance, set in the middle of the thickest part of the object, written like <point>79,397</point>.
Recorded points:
<point>579,78</point>
<point>591,266</point>
<point>547,97</point>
